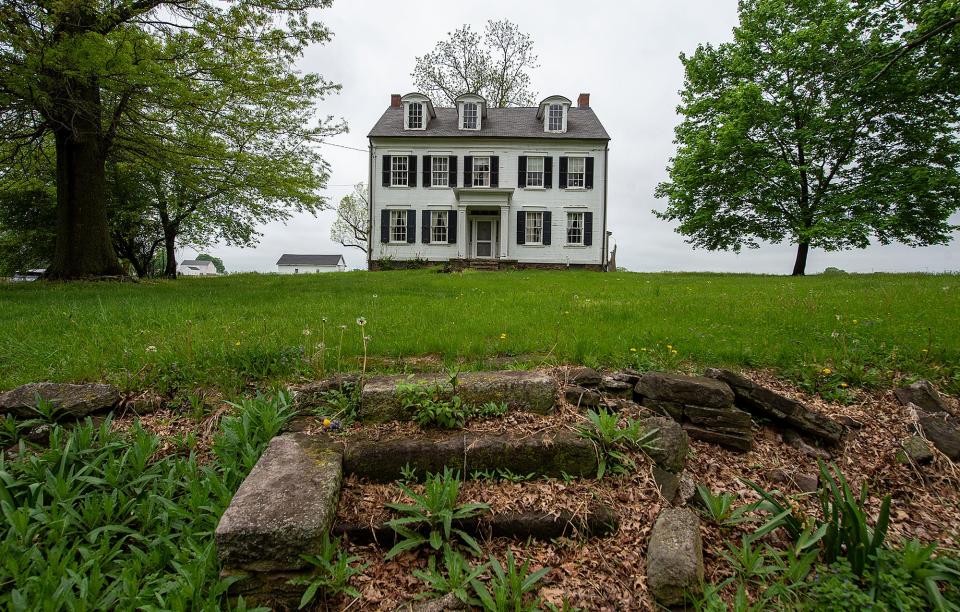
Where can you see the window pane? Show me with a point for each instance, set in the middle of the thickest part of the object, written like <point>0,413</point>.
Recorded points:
<point>534,228</point>
<point>575,171</point>
<point>575,228</point>
<point>534,172</point>
<point>398,171</point>
<point>415,116</point>
<point>439,170</point>
<point>481,171</point>
<point>555,118</point>
<point>470,116</point>
<point>398,226</point>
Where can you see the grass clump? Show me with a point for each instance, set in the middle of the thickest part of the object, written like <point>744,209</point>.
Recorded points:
<point>332,571</point>
<point>614,442</point>
<point>96,520</point>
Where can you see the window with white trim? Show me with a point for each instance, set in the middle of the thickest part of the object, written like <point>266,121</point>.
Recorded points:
<point>438,226</point>
<point>576,172</point>
<point>533,230</point>
<point>414,116</point>
<point>470,114</point>
<point>534,172</point>
<point>398,226</point>
<point>439,171</point>
<point>555,118</point>
<point>575,228</point>
<point>481,171</point>
<point>398,170</point>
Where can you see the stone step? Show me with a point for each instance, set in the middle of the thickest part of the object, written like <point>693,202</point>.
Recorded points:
<point>534,392</point>
<point>675,557</point>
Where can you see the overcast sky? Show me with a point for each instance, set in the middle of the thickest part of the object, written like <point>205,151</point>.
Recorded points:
<point>625,54</point>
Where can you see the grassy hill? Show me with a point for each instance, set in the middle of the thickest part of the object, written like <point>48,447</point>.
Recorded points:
<point>824,331</point>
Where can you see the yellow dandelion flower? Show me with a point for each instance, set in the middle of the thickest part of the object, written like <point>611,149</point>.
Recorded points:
<point>237,343</point>
<point>827,371</point>
<point>844,385</point>
<point>854,321</point>
<point>503,336</point>
<point>326,422</point>
<point>674,351</point>
<point>633,350</point>
<point>923,350</point>
<point>669,347</point>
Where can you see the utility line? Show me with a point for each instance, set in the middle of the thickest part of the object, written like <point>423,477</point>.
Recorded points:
<point>333,144</point>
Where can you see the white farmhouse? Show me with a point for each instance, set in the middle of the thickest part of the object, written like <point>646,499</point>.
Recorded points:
<point>310,264</point>
<point>488,187</point>
<point>197,267</point>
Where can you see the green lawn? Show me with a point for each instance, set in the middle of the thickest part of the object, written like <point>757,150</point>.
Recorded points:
<point>231,331</point>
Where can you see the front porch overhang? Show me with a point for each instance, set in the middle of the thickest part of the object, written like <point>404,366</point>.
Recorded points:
<point>483,196</point>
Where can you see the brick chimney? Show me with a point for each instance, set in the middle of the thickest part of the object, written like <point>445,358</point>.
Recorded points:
<point>583,101</point>
<point>394,100</point>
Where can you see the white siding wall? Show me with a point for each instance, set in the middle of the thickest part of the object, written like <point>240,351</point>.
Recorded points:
<point>308,269</point>
<point>559,201</point>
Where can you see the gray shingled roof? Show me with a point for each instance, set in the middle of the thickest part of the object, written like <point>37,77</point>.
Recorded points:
<point>309,260</point>
<point>514,122</point>
<point>196,262</point>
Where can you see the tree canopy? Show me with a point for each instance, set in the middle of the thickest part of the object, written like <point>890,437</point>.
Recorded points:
<point>202,90</point>
<point>815,127</point>
<point>494,65</point>
<point>352,225</point>
<point>217,262</point>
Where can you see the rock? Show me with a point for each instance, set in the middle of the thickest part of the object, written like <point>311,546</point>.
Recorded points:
<point>915,450</point>
<point>763,402</point>
<point>730,427</point>
<point>584,377</point>
<point>675,556</point>
<point>687,491</point>
<point>695,390</point>
<point>923,395</point>
<point>617,388</point>
<point>671,446</point>
<point>631,377</point>
<point>849,422</point>
<point>807,483</point>
<point>283,508</point>
<point>738,441</point>
<point>441,604</point>
<point>668,483</point>
<point>547,453</point>
<point>793,439</point>
<point>521,390</point>
<point>313,395</point>
<point>777,476</point>
<point>71,401</point>
<point>942,430</point>
<point>581,397</point>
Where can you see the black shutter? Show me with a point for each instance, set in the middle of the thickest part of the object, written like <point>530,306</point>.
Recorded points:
<point>522,171</point>
<point>548,172</point>
<point>467,170</point>
<point>452,226</point>
<point>384,226</point>
<point>588,179</point>
<point>521,227</point>
<point>427,164</point>
<point>453,170</point>
<point>588,229</point>
<point>546,225</point>
<point>412,224</point>
<point>495,171</point>
<point>411,171</point>
<point>386,170</point>
<point>563,173</point>
<point>425,238</point>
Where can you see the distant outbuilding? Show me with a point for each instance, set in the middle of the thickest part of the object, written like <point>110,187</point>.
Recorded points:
<point>310,264</point>
<point>197,267</point>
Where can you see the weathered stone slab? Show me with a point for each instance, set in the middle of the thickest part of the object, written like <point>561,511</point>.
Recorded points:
<point>521,390</point>
<point>763,402</point>
<point>581,397</point>
<point>923,395</point>
<point>915,450</point>
<point>729,426</point>
<point>313,394</point>
<point>546,453</point>
<point>71,401</point>
<point>283,508</point>
<point>616,387</point>
<point>675,556</point>
<point>695,390</point>
<point>942,430</point>
<point>583,376</point>
<point>672,444</point>
<point>738,441</point>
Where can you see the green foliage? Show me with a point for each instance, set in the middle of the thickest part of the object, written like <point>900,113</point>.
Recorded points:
<point>510,586</point>
<point>720,508</point>
<point>217,262</point>
<point>614,442</point>
<point>97,521</point>
<point>429,519</point>
<point>431,406</point>
<point>332,571</point>
<point>455,576</point>
<point>490,410</point>
<point>788,134</point>
<point>502,474</point>
<point>340,404</point>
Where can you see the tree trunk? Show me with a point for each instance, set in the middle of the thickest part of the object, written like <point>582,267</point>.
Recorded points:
<point>800,265</point>
<point>170,244</point>
<point>83,247</point>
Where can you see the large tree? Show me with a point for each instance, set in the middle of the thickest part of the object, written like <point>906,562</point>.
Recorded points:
<point>352,225</point>
<point>494,65</point>
<point>96,75</point>
<point>814,127</point>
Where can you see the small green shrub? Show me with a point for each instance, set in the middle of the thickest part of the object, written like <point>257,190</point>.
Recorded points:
<point>510,586</point>
<point>454,578</point>
<point>720,508</point>
<point>431,407</point>
<point>613,442</point>
<point>433,512</point>
<point>342,404</point>
<point>332,571</point>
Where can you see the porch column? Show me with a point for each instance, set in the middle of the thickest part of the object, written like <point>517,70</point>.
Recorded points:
<point>504,232</point>
<point>463,243</point>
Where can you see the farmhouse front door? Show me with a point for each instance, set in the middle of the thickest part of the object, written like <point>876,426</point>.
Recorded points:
<point>484,238</point>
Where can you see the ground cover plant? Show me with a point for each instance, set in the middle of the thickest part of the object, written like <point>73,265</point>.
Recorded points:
<point>824,331</point>
<point>110,516</point>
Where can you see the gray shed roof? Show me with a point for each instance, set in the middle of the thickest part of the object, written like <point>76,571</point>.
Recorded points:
<point>196,262</point>
<point>309,260</point>
<point>513,122</point>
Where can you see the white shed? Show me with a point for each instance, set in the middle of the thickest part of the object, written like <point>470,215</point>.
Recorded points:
<point>197,267</point>
<point>310,264</point>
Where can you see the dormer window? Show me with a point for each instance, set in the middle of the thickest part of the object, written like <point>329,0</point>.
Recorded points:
<point>555,118</point>
<point>414,116</point>
<point>470,113</point>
